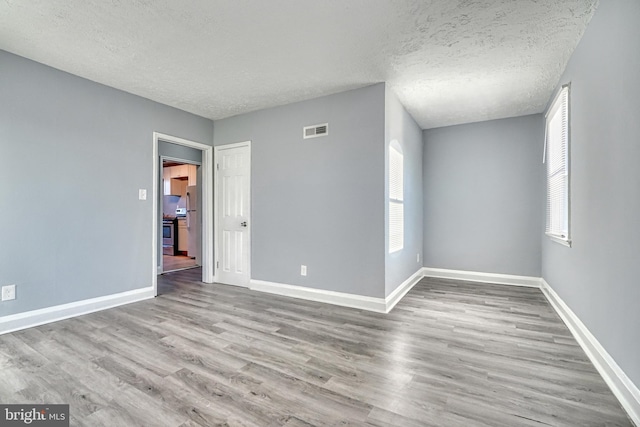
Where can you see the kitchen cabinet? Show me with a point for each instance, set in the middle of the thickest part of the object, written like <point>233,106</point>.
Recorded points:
<point>191,173</point>
<point>180,171</point>
<point>183,235</point>
<point>179,187</point>
<point>166,181</point>
<point>174,187</point>
<point>172,175</point>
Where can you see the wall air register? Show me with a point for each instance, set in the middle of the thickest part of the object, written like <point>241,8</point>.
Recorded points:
<point>315,131</point>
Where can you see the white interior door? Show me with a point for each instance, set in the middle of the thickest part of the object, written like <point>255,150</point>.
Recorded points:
<point>233,169</point>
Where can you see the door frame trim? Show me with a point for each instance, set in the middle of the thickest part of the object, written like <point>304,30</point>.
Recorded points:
<point>216,182</point>
<point>160,170</point>
<point>207,205</point>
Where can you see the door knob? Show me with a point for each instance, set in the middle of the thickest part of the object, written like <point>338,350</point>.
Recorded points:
<point>244,223</point>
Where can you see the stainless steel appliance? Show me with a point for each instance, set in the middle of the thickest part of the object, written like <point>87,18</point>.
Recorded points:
<point>193,223</point>
<point>169,237</point>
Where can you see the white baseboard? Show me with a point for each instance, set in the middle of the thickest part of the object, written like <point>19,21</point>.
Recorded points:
<point>385,305</point>
<point>320,295</point>
<point>379,305</point>
<point>16,322</point>
<point>394,297</point>
<point>619,383</point>
<point>475,276</point>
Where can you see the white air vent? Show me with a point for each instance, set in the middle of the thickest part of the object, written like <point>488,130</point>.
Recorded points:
<point>315,131</point>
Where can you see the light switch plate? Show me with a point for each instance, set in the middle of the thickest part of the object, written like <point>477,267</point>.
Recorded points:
<point>142,194</point>
<point>8,292</point>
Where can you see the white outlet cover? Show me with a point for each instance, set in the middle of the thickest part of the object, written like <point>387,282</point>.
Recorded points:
<point>8,292</point>
<point>142,194</point>
<point>303,270</point>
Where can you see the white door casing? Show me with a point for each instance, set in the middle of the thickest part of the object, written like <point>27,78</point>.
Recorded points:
<point>208,265</point>
<point>233,213</point>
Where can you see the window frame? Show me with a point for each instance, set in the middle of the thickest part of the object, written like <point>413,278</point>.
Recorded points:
<point>393,198</point>
<point>556,107</point>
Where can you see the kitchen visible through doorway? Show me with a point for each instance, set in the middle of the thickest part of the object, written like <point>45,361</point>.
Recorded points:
<point>181,222</point>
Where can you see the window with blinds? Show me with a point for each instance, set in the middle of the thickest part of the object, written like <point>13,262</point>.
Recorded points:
<point>557,161</point>
<point>396,197</point>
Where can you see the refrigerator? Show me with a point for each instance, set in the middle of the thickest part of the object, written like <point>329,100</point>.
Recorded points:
<point>193,223</point>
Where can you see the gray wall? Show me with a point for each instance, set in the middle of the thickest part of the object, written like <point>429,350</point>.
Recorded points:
<point>599,276</point>
<point>178,151</point>
<point>317,202</point>
<point>74,154</point>
<point>484,196</point>
<point>400,126</point>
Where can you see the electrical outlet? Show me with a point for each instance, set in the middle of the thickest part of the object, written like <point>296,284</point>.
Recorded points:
<point>418,257</point>
<point>142,194</point>
<point>8,292</point>
<point>303,270</point>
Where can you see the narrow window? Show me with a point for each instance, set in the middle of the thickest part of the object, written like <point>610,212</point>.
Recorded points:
<point>396,197</point>
<point>557,160</point>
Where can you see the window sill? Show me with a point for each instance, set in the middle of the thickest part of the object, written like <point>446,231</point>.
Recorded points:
<point>559,239</point>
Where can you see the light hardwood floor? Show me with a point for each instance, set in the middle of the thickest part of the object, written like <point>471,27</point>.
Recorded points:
<point>450,354</point>
<point>177,262</point>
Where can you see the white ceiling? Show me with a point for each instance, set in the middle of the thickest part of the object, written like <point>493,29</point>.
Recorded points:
<point>449,61</point>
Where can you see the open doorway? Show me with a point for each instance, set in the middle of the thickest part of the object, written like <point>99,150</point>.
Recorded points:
<point>181,219</point>
<point>203,203</point>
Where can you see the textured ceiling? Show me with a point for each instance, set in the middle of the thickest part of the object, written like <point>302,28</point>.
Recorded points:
<point>449,61</point>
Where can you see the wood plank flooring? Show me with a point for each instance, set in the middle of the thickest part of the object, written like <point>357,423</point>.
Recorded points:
<point>177,262</point>
<point>450,354</point>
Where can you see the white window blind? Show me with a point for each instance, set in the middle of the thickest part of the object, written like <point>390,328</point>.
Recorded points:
<point>557,160</point>
<point>396,197</point>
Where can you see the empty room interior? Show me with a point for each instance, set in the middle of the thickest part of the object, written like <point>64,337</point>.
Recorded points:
<point>305,213</point>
